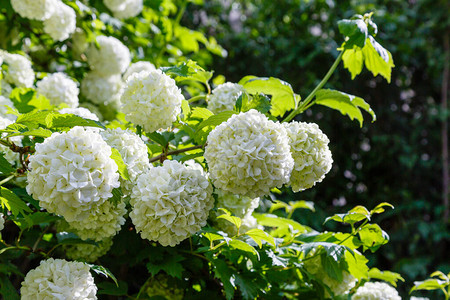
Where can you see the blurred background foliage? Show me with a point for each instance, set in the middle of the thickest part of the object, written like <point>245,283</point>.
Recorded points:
<point>397,158</point>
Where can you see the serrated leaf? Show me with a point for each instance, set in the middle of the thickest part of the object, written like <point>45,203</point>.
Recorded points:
<point>387,276</point>
<point>377,59</point>
<point>7,289</point>
<point>33,119</point>
<point>293,205</point>
<point>260,102</point>
<point>372,237</point>
<point>26,100</point>
<point>185,108</point>
<point>39,132</point>
<point>236,221</point>
<point>189,70</point>
<point>215,120</point>
<point>353,61</point>
<point>13,203</point>
<point>248,286</point>
<point>332,267</point>
<point>56,120</point>
<point>117,196</point>
<point>345,103</point>
<point>158,138</point>
<point>380,208</point>
<point>5,166</point>
<point>122,167</point>
<point>108,288</point>
<point>357,265</point>
<point>355,30</point>
<point>259,235</point>
<point>334,251</point>
<point>225,275</point>
<point>279,205</point>
<point>36,219</point>
<point>283,97</point>
<point>200,114</point>
<point>171,265</point>
<point>240,245</point>
<point>104,271</point>
<point>429,284</point>
<point>275,221</point>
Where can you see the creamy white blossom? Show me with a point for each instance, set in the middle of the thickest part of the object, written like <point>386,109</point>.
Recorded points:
<point>151,100</point>
<point>124,9</point>
<point>72,173</point>
<point>34,9</point>
<point>101,89</point>
<point>62,23</point>
<point>12,157</point>
<point>59,279</point>
<point>376,291</point>
<point>112,57</point>
<point>248,155</point>
<point>4,103</point>
<point>87,252</point>
<point>59,88</point>
<point>19,70</point>
<point>312,156</point>
<point>138,67</point>
<point>170,203</point>
<point>6,89</point>
<point>418,298</point>
<point>133,151</point>
<point>224,97</point>
<point>2,222</point>
<point>81,112</point>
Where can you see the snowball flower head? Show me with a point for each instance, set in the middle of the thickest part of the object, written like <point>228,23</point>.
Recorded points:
<point>312,157</point>
<point>12,157</point>
<point>4,102</point>
<point>376,291</point>
<point>170,203</point>
<point>133,151</point>
<point>248,155</point>
<point>81,112</point>
<point>124,9</point>
<point>151,100</point>
<point>62,23</point>
<point>418,298</point>
<point>138,67</point>
<point>59,88</point>
<point>101,89</point>
<point>237,205</point>
<point>19,71</point>
<point>112,57</point>
<point>86,252</point>
<point>6,88</point>
<point>224,97</point>
<point>72,173</point>
<point>34,9</point>
<point>59,279</point>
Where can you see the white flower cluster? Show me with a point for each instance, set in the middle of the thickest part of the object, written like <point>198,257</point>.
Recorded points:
<point>4,102</point>
<point>124,9</point>
<point>81,112</point>
<point>19,71</point>
<point>160,286</point>
<point>138,67</point>
<point>59,279</point>
<point>101,89</point>
<point>170,203</point>
<point>418,298</point>
<point>133,151</point>
<point>314,266</point>
<point>62,23</point>
<point>376,291</point>
<point>72,173</point>
<point>151,100</point>
<point>34,9</point>
<point>111,57</point>
<point>312,157</point>
<point>59,88</point>
<point>12,157</point>
<point>224,97</point>
<point>86,252</point>
<point>2,222</point>
<point>248,155</point>
<point>6,88</point>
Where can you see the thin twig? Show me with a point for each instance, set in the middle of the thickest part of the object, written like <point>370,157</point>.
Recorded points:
<point>163,155</point>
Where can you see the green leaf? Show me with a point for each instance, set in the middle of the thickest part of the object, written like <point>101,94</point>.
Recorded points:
<point>377,59</point>
<point>5,166</point>
<point>249,285</point>
<point>170,264</point>
<point>355,30</point>
<point>33,119</point>
<point>345,103</point>
<point>275,221</point>
<point>357,265</point>
<point>387,276</point>
<point>25,100</point>
<point>158,138</point>
<point>108,288</point>
<point>372,237</point>
<point>353,216</point>
<point>13,203</point>
<point>123,171</point>
<point>333,251</point>
<point>104,271</point>
<point>7,289</point>
<point>40,132</point>
<point>259,235</point>
<point>56,120</point>
<point>429,284</point>
<point>36,219</point>
<point>206,126</point>
<point>185,108</point>
<point>240,245</point>
<point>225,275</point>
<point>189,70</point>
<point>353,61</point>
<point>283,97</point>
<point>260,102</point>
<point>117,196</point>
<point>332,267</point>
<point>380,208</point>
<point>236,221</point>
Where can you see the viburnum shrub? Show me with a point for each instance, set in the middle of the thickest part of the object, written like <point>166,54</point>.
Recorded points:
<point>150,177</point>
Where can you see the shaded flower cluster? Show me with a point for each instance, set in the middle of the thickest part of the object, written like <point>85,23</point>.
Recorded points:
<point>224,97</point>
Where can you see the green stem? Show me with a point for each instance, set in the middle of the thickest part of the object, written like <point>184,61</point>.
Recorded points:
<point>305,104</point>
<point>196,98</point>
<point>164,155</point>
<point>143,287</point>
<point>7,179</point>
<point>354,232</point>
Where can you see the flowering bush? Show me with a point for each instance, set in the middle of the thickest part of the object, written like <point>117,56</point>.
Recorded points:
<point>162,196</point>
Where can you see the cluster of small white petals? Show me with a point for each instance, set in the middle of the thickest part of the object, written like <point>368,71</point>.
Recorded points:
<point>170,203</point>
<point>101,89</point>
<point>102,221</point>
<point>314,266</point>
<point>19,70</point>
<point>34,9</point>
<point>160,286</point>
<point>376,291</point>
<point>124,9</point>
<point>72,173</point>
<point>418,298</point>
<point>224,97</point>
<point>151,100</point>
<point>138,67</point>
<point>87,252</point>
<point>133,151</point>
<point>194,165</point>
<point>112,57</point>
<point>2,222</point>
<point>81,112</point>
<point>4,102</point>
<point>248,155</point>
<point>236,204</point>
<point>62,23</point>
<point>12,157</point>
<point>6,89</point>
<point>312,157</point>
<point>59,88</point>
<point>59,279</point>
